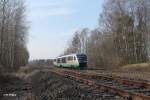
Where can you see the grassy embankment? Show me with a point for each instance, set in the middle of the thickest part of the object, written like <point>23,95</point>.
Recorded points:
<point>142,67</point>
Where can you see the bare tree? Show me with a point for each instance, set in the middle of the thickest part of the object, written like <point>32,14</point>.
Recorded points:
<point>78,42</point>
<point>127,21</point>
<point>12,34</point>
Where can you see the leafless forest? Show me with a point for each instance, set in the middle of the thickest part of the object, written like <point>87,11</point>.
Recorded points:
<point>13,35</point>
<point>122,36</point>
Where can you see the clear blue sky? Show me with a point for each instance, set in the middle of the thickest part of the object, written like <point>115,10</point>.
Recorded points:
<point>53,22</point>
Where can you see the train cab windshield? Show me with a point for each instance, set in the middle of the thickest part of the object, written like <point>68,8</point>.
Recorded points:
<point>82,58</point>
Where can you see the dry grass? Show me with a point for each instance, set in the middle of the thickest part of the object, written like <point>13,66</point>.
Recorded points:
<point>24,71</point>
<point>142,67</point>
<point>132,71</point>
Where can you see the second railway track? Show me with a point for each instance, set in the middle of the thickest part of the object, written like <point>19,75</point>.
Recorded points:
<point>133,90</point>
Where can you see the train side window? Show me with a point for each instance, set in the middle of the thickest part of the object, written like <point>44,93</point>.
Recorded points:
<point>59,60</point>
<point>54,60</point>
<point>70,58</point>
<point>64,60</point>
<point>74,58</point>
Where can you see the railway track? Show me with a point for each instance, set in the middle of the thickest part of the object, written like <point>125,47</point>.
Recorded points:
<point>133,90</point>
<point>132,75</point>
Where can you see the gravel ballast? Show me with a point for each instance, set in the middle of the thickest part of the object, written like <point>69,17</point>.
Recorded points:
<point>44,85</point>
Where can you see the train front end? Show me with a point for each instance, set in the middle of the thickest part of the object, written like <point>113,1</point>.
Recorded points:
<point>82,60</point>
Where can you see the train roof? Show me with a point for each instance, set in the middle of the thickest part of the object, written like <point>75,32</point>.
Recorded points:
<point>71,55</point>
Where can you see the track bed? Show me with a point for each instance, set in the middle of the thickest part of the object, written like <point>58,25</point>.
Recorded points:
<point>41,84</point>
<point>131,89</point>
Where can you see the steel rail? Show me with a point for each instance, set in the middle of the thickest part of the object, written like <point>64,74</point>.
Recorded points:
<point>78,77</point>
<point>115,78</point>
